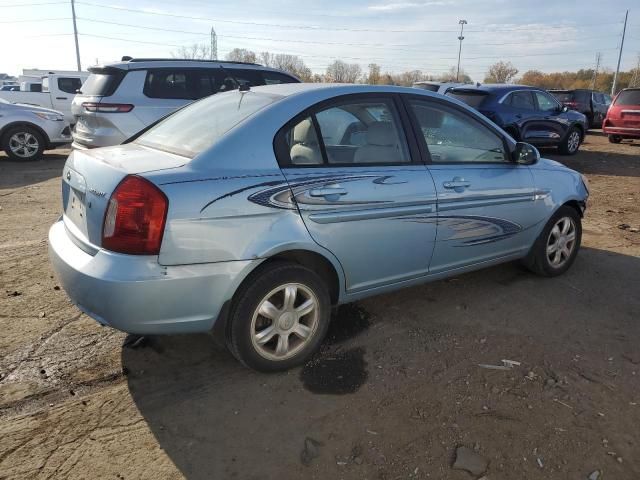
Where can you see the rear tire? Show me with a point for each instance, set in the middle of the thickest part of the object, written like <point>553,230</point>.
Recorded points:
<point>571,142</point>
<point>279,317</point>
<point>556,248</point>
<point>23,143</point>
<point>615,139</point>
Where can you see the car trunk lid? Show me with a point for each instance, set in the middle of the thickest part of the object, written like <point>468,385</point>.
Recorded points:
<point>90,177</point>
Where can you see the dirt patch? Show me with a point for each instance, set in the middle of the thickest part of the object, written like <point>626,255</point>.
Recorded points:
<point>75,404</point>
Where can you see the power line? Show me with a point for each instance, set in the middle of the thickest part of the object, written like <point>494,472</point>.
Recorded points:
<point>314,27</point>
<point>418,47</point>
<point>14,5</point>
<point>35,20</point>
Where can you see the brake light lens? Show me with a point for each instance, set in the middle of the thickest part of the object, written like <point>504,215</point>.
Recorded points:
<point>107,107</point>
<point>135,218</point>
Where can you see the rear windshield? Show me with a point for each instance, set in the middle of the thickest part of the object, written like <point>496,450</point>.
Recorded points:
<point>427,86</point>
<point>628,97</point>
<point>102,83</point>
<point>195,128</point>
<point>473,99</point>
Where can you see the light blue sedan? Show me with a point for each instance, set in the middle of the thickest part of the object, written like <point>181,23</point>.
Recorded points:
<point>252,213</point>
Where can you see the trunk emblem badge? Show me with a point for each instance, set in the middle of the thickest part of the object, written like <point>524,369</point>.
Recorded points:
<point>97,193</point>
<point>68,175</point>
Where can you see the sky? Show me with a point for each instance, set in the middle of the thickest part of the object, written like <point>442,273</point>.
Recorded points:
<point>398,35</point>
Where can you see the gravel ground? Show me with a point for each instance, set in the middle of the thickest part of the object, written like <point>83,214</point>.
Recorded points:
<point>394,392</point>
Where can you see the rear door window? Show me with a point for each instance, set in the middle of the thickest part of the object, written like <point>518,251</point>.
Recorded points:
<point>168,83</point>
<point>233,78</point>
<point>522,100</point>
<point>69,85</point>
<point>351,132</point>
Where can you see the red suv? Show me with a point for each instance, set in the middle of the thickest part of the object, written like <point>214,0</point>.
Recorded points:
<point>623,117</point>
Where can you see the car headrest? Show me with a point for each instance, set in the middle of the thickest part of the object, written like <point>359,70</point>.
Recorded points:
<point>304,132</point>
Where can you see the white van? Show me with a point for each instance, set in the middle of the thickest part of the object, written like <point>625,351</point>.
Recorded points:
<point>120,99</point>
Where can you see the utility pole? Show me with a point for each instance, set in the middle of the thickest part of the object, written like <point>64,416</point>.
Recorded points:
<point>595,72</point>
<point>462,24</point>
<point>214,45</point>
<point>75,34</point>
<point>615,76</point>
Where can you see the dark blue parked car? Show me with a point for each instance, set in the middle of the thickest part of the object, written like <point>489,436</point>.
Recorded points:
<point>528,114</point>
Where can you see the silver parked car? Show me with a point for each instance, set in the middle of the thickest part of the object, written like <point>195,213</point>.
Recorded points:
<point>26,130</point>
<point>253,212</point>
<point>120,99</point>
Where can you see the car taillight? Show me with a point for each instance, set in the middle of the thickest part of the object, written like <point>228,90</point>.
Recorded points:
<point>107,107</point>
<point>135,218</point>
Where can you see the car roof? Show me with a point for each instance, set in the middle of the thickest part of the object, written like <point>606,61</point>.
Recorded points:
<point>290,89</point>
<point>145,63</point>
<point>494,88</point>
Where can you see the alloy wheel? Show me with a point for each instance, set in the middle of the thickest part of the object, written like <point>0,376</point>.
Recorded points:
<point>561,242</point>
<point>284,321</point>
<point>574,141</point>
<point>24,144</point>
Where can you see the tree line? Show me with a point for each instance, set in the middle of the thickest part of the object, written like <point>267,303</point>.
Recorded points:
<point>343,72</point>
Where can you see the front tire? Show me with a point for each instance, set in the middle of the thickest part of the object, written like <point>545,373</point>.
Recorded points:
<point>23,143</point>
<point>556,248</point>
<point>571,142</point>
<point>615,139</point>
<point>279,318</point>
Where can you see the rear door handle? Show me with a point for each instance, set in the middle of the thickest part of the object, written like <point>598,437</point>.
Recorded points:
<point>456,184</point>
<point>327,192</point>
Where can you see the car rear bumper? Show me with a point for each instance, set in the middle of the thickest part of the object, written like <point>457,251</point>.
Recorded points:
<point>622,131</point>
<point>136,294</point>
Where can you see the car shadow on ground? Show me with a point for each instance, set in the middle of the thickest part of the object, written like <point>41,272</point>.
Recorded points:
<point>598,163</point>
<point>217,419</point>
<point>16,174</point>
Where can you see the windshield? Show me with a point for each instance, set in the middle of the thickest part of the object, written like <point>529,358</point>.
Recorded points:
<point>473,99</point>
<point>628,97</point>
<point>195,128</point>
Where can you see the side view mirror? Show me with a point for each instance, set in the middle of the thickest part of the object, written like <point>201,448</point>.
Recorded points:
<point>525,154</point>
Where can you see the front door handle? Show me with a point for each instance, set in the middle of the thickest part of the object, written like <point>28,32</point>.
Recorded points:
<point>327,192</point>
<point>457,183</point>
<point>61,98</point>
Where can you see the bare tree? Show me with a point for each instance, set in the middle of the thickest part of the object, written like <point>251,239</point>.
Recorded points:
<point>374,77</point>
<point>450,76</point>
<point>241,55</point>
<point>342,72</point>
<point>501,72</point>
<point>197,51</point>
